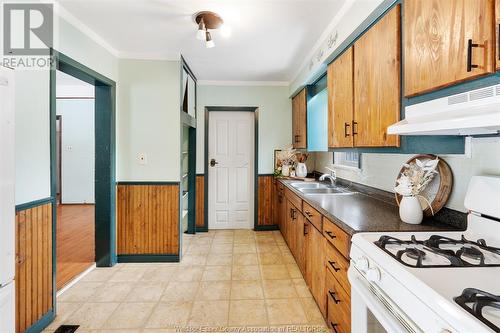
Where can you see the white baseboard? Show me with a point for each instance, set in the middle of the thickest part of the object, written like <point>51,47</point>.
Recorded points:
<point>75,280</point>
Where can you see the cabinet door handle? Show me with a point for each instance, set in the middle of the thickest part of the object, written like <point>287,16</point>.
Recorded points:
<point>354,128</point>
<point>332,295</point>
<point>297,138</point>
<point>306,228</point>
<point>330,234</point>
<point>308,213</point>
<point>470,45</point>
<point>346,126</point>
<point>334,327</point>
<point>332,263</point>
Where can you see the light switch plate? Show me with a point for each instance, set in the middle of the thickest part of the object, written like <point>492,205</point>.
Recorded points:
<point>142,158</point>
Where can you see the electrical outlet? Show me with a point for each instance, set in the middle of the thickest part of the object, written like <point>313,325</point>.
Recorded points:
<point>142,158</point>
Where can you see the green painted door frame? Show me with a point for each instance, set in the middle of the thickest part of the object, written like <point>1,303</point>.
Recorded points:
<point>105,148</point>
<point>255,110</point>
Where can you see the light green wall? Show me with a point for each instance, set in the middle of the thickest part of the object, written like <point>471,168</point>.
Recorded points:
<point>32,146</point>
<point>275,124</point>
<point>32,114</point>
<point>148,120</point>
<point>78,46</point>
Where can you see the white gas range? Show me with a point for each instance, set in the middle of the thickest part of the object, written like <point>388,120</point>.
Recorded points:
<point>432,282</point>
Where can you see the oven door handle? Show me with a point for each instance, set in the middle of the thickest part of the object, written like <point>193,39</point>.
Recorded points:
<point>389,316</point>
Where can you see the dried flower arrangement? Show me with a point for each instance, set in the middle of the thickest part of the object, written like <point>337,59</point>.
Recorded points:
<point>416,176</point>
<point>286,156</point>
<point>302,157</point>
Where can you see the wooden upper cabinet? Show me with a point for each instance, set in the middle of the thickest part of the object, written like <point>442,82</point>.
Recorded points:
<point>341,101</point>
<point>446,42</point>
<point>497,29</point>
<point>377,93</point>
<point>299,120</point>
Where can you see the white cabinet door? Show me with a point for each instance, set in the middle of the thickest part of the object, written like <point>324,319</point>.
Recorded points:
<point>231,179</point>
<point>7,177</point>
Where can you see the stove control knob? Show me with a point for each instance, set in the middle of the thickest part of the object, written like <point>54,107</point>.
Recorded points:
<point>362,264</point>
<point>373,274</point>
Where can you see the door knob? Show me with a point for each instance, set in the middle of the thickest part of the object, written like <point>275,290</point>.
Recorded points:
<point>213,162</point>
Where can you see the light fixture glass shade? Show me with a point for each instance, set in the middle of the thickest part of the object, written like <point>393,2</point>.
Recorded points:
<point>200,34</point>
<point>210,43</point>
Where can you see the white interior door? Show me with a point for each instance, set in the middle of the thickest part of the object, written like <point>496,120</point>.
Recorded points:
<point>231,179</point>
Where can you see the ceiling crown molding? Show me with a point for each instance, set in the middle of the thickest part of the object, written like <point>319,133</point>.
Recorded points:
<point>64,14</point>
<point>243,83</point>
<point>147,56</point>
<point>324,36</point>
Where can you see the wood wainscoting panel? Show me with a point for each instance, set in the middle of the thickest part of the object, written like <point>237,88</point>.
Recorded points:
<point>34,286</point>
<point>148,219</point>
<point>266,189</point>
<point>200,201</point>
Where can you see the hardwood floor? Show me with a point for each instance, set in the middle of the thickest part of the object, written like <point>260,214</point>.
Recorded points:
<point>75,241</point>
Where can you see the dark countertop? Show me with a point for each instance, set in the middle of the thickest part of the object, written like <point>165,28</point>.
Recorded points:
<point>366,212</point>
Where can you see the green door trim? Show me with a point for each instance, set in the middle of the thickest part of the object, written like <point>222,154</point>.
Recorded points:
<point>255,110</point>
<point>105,149</point>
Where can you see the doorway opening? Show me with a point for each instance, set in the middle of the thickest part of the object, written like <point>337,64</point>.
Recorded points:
<point>103,187</point>
<point>231,159</point>
<point>75,156</point>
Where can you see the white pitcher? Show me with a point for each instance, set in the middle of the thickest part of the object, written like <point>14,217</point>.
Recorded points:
<point>410,210</point>
<point>301,170</point>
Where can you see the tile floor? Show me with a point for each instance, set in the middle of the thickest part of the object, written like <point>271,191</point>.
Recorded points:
<point>226,279</point>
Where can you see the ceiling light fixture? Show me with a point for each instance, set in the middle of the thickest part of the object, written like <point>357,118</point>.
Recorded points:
<point>209,21</point>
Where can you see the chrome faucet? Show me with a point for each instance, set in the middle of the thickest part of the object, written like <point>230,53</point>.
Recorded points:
<point>332,176</point>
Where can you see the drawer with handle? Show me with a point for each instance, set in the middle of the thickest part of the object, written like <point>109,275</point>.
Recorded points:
<point>280,186</point>
<point>312,215</point>
<point>338,306</point>
<point>338,237</point>
<point>337,265</point>
<point>294,199</point>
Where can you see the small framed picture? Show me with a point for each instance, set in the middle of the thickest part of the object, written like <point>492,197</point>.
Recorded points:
<point>277,162</point>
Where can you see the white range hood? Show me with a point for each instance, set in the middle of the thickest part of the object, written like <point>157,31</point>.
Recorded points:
<point>471,113</point>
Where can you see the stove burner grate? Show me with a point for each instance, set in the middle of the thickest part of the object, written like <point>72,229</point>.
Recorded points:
<point>416,250</point>
<point>479,300</point>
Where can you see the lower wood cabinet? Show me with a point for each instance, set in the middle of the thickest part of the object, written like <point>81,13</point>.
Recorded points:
<point>315,267</point>
<point>336,264</point>
<point>279,206</point>
<point>300,241</point>
<point>339,305</point>
<point>321,250</point>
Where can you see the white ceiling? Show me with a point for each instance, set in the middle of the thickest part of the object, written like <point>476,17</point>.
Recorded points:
<point>270,38</point>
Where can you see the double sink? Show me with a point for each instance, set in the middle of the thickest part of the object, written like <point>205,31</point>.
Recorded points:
<point>314,189</point>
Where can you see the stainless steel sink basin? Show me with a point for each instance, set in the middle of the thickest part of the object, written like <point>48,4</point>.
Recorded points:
<point>304,185</point>
<point>326,190</point>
